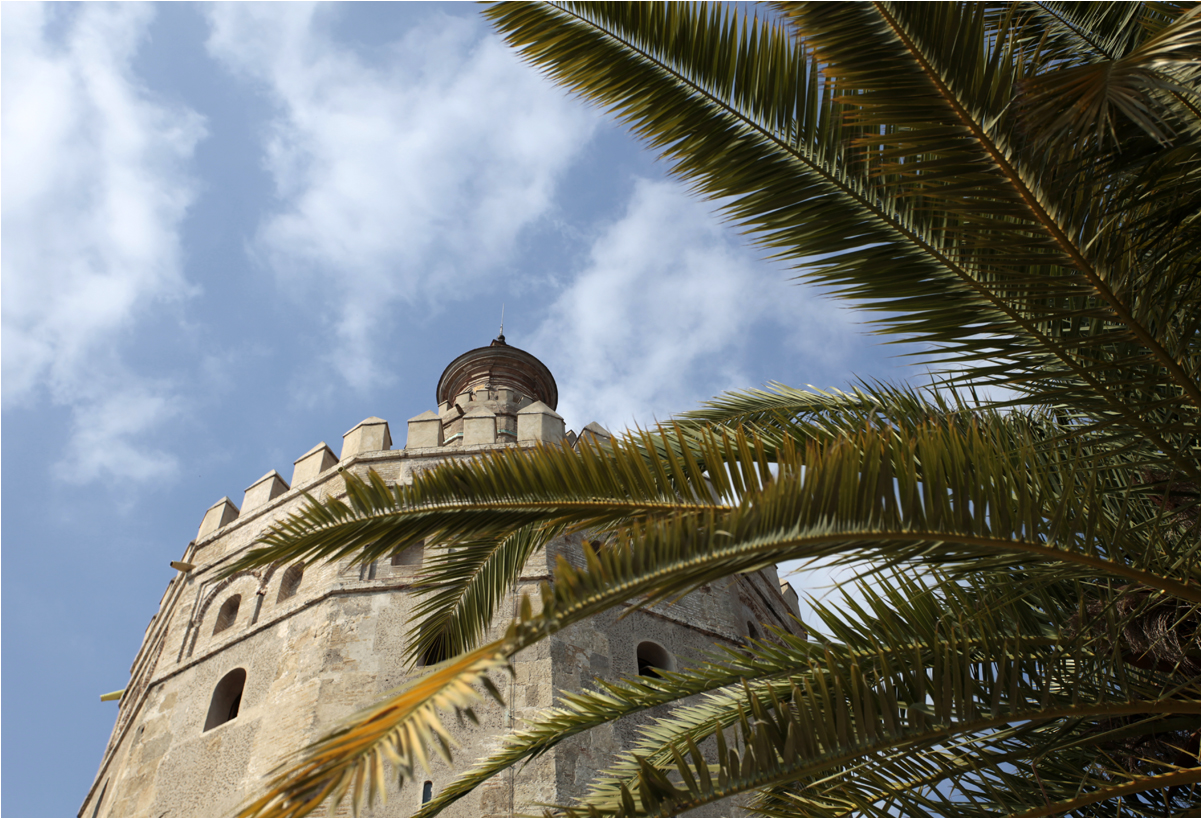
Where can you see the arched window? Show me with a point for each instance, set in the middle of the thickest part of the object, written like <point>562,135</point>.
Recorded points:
<point>291,581</point>
<point>427,791</point>
<point>752,631</point>
<point>228,614</point>
<point>653,658</point>
<point>411,556</point>
<point>227,699</point>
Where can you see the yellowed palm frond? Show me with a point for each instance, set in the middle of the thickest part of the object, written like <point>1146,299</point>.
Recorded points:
<point>401,729</point>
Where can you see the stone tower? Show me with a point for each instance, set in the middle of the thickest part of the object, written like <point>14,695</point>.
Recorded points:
<point>232,674</point>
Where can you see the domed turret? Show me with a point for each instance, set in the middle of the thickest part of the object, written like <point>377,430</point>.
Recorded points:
<point>493,382</point>
<point>493,368</point>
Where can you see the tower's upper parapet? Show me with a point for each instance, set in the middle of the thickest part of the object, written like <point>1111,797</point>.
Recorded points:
<point>497,367</point>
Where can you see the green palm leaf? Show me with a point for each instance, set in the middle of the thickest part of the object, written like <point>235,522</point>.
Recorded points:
<point>1000,648</point>
<point>1006,268</point>
<point>919,700</point>
<point>501,494</point>
<point>950,492</point>
<point>464,586</point>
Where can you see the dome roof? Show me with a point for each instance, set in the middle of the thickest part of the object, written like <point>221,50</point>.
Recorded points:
<point>498,366</point>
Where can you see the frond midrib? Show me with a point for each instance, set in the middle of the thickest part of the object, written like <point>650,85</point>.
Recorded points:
<point>1023,188</point>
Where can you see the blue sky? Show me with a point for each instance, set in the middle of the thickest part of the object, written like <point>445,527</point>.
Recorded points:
<point>233,231</point>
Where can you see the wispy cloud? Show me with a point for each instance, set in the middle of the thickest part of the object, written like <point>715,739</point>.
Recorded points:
<point>95,187</point>
<point>401,182</point>
<point>670,309</point>
<point>107,431</point>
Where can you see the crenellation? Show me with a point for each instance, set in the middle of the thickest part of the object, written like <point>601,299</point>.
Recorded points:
<point>266,488</point>
<point>479,426</point>
<point>312,463</point>
<point>216,516</point>
<point>425,431</point>
<point>539,424</point>
<point>369,435</point>
<point>595,433</point>
<point>791,599</point>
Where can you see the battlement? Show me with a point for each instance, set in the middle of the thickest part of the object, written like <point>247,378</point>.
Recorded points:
<point>474,424</point>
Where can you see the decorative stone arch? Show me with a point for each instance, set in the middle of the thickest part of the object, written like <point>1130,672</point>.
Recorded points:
<point>263,576</point>
<point>651,657</point>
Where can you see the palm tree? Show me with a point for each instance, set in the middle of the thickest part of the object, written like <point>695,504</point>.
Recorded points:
<point>1015,185</point>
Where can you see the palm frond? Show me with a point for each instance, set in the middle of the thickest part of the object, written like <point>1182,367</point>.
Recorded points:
<point>463,586</point>
<point>1142,86</point>
<point>582,711</point>
<point>491,499</point>
<point>920,698</point>
<point>792,169</point>
<point>780,406</point>
<point>953,493</point>
<point>965,497</point>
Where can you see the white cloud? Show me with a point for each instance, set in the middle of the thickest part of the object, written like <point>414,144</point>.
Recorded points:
<point>403,181</point>
<point>106,435</point>
<point>95,188</point>
<point>666,313</point>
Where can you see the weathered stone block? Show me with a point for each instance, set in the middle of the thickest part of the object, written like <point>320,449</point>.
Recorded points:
<point>538,423</point>
<point>479,426</point>
<point>218,515</point>
<point>425,431</point>
<point>312,463</point>
<point>264,489</point>
<point>369,435</point>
